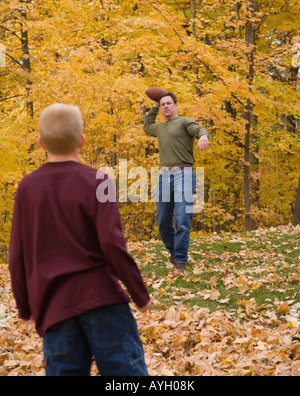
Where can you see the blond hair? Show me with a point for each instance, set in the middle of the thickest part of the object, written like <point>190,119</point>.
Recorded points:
<point>60,128</point>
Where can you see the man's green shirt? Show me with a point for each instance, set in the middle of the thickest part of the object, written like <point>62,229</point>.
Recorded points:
<point>176,138</point>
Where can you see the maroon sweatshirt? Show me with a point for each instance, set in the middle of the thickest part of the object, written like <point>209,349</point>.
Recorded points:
<point>67,250</point>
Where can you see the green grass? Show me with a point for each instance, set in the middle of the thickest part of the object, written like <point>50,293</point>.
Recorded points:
<point>250,274</point>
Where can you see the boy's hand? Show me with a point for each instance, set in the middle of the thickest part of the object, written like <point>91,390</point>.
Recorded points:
<point>28,321</point>
<point>145,308</point>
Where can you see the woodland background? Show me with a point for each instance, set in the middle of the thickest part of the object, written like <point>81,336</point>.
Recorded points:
<point>234,65</point>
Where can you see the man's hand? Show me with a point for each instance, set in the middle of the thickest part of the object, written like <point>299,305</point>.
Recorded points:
<point>203,143</point>
<point>145,308</point>
<point>156,104</point>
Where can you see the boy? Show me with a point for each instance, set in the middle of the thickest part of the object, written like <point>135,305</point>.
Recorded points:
<point>67,255</point>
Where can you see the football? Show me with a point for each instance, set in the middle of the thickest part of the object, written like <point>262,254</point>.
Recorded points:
<point>155,93</point>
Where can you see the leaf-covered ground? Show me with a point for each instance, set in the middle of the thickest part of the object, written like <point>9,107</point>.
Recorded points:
<point>235,312</point>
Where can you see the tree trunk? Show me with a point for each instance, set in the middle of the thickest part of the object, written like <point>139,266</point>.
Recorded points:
<point>26,61</point>
<point>196,68</point>
<point>296,219</point>
<point>250,40</point>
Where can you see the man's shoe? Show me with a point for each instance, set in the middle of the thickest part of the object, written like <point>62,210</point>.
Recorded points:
<point>181,267</point>
<point>172,260</point>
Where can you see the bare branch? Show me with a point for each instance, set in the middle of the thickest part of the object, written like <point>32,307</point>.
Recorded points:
<point>11,97</point>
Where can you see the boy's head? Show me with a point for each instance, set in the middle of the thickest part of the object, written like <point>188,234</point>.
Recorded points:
<point>61,127</point>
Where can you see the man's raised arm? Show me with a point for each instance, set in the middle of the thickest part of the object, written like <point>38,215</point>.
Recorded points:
<point>150,126</point>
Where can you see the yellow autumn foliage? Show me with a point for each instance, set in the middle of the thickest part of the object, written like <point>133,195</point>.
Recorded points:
<point>103,55</point>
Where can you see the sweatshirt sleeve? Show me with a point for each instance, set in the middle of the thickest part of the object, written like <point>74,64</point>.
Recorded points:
<point>150,127</point>
<point>194,129</point>
<point>113,245</point>
<point>16,261</point>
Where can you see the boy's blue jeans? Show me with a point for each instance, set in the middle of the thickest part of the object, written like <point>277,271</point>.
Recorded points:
<point>174,194</point>
<point>108,333</point>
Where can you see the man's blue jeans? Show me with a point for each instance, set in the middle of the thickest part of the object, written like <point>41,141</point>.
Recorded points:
<point>174,194</point>
<point>108,333</point>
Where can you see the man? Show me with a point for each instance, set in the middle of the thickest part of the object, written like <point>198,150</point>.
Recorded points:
<point>176,137</point>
